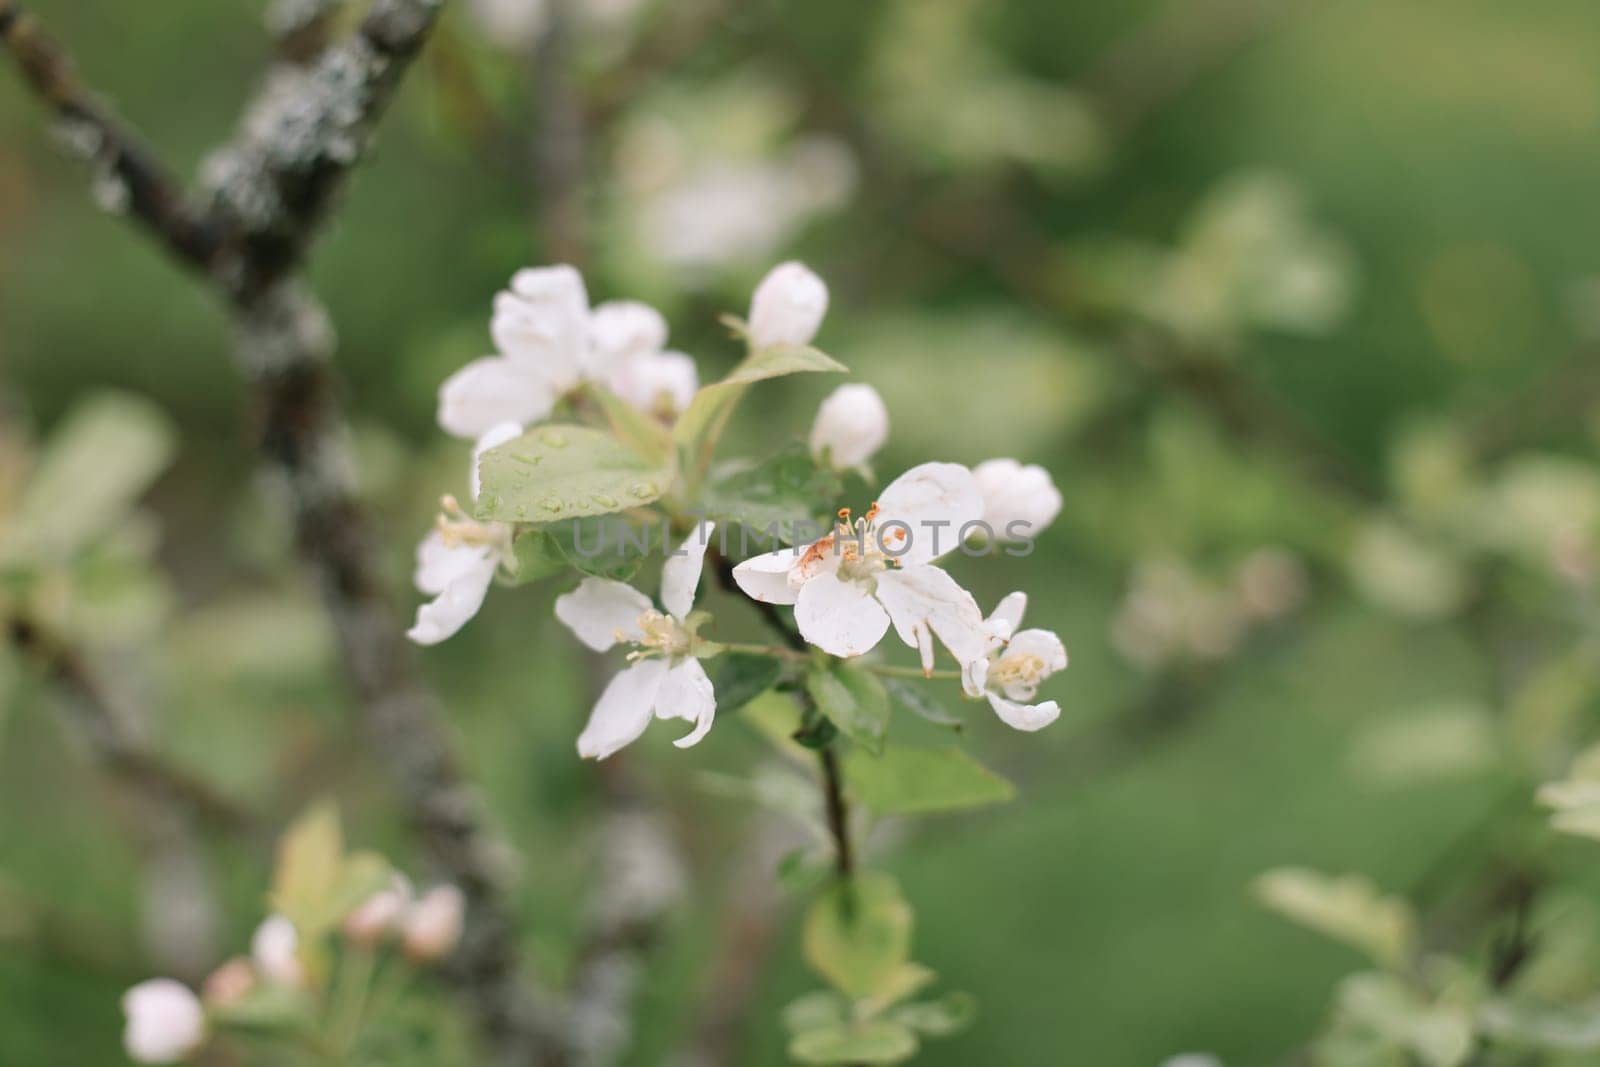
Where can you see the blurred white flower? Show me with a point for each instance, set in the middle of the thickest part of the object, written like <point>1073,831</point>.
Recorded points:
<point>666,681</point>
<point>165,1021</point>
<point>1018,501</point>
<point>511,23</point>
<point>432,926</point>
<point>657,383</point>
<point>851,425</point>
<point>849,586</point>
<point>1192,1059</point>
<point>380,915</point>
<point>1170,612</point>
<point>275,948</point>
<point>788,306</point>
<point>1010,674</point>
<point>457,561</point>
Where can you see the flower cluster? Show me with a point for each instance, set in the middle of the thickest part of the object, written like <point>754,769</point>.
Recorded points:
<point>867,574</point>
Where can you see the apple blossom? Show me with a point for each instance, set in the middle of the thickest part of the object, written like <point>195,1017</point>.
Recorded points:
<point>457,561</point>
<point>380,914</point>
<point>850,585</point>
<point>275,948</point>
<point>851,425</point>
<point>788,306</point>
<point>657,383</point>
<point>666,680</point>
<point>1018,501</point>
<point>432,926</point>
<point>165,1021</point>
<point>1009,675</point>
<point>229,983</point>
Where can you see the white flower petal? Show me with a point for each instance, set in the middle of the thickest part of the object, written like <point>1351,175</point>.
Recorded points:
<point>788,306</point>
<point>766,577</point>
<point>488,392</point>
<point>924,599</point>
<point>623,710</point>
<point>542,323</point>
<point>498,435</point>
<point>655,382</point>
<point>602,612</point>
<point>851,425</point>
<point>458,599</point>
<point>934,501</point>
<point>1007,615</point>
<point>1041,645</point>
<point>681,573</point>
<point>1018,502</point>
<point>975,676</point>
<point>687,694</point>
<point>165,1021</point>
<point>621,329</point>
<point>439,564</point>
<point>1028,717</point>
<point>275,949</point>
<point>839,617</point>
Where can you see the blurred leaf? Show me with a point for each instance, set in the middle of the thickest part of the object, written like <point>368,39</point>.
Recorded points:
<point>565,472</point>
<point>781,493</point>
<point>267,1006</point>
<point>852,700</point>
<point>881,1041</point>
<point>1439,742</point>
<point>316,885</point>
<point>739,677</point>
<point>908,981</point>
<point>912,781</point>
<point>535,555</point>
<point>950,1014</point>
<point>857,934</point>
<point>714,402</point>
<point>1348,909</point>
<point>633,427</point>
<point>914,700</point>
<point>812,1011</point>
<point>1560,1027</point>
<point>96,464</point>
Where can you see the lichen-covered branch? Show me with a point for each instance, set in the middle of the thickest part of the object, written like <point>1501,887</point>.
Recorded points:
<point>266,196</point>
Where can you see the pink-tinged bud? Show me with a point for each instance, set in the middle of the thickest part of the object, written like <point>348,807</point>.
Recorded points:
<point>851,425</point>
<point>432,927</point>
<point>788,307</point>
<point>165,1021</point>
<point>230,983</point>
<point>275,947</point>
<point>380,915</point>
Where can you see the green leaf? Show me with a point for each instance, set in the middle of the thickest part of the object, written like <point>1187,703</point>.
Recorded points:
<point>646,436</point>
<point>1348,909</point>
<point>105,455</point>
<point>857,934</point>
<point>565,472</point>
<point>948,1015</point>
<point>309,857</point>
<point>814,1011</point>
<point>908,981</point>
<point>914,700</point>
<point>881,1041</point>
<point>714,402</point>
<point>1529,1024</point>
<point>536,555</point>
<point>918,781</point>
<point>854,701</point>
<point>267,1006</point>
<point>604,546</point>
<point>740,677</point>
<point>781,493</point>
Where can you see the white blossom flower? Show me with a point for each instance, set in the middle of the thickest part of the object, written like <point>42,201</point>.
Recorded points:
<point>657,383</point>
<point>549,342</point>
<point>380,914</point>
<point>788,306</point>
<point>165,1021</point>
<point>666,681</point>
<point>1018,501</point>
<point>1017,662</point>
<point>432,926</point>
<point>457,561</point>
<point>849,586</point>
<point>275,948</point>
<point>851,425</point>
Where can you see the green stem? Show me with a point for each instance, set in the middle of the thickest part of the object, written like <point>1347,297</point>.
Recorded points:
<point>790,655</point>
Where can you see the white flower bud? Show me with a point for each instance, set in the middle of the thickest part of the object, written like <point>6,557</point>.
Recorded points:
<point>165,1021</point>
<point>275,949</point>
<point>1018,501</point>
<point>229,983</point>
<point>380,915</point>
<point>851,425</point>
<point>788,306</point>
<point>433,925</point>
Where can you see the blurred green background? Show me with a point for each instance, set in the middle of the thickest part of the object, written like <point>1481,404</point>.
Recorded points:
<point>1378,213</point>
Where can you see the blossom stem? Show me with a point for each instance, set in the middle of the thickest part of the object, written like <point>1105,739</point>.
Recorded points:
<point>887,670</point>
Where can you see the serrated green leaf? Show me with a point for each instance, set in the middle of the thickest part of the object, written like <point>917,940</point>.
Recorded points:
<point>914,700</point>
<point>740,677</point>
<point>646,436</point>
<point>782,494</point>
<point>880,1041</point>
<point>948,1015</point>
<point>857,934</point>
<point>854,701</point>
<point>535,555</point>
<point>552,473</point>
<point>105,454</point>
<point>713,402</point>
<point>919,781</point>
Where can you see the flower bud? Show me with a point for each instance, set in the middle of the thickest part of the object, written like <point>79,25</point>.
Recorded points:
<point>851,425</point>
<point>229,983</point>
<point>433,925</point>
<point>275,949</point>
<point>788,306</point>
<point>380,915</point>
<point>165,1021</point>
<point>1018,501</point>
